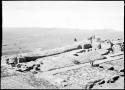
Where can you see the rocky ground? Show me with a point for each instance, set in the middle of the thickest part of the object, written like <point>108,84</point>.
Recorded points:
<point>88,77</point>
<point>69,70</point>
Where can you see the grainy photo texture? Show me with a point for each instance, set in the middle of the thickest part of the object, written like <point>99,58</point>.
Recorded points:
<point>62,45</point>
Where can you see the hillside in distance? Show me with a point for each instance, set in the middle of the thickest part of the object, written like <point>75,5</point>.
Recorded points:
<point>19,40</point>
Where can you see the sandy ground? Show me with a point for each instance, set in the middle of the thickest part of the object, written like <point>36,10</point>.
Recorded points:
<point>25,81</point>
<point>14,82</point>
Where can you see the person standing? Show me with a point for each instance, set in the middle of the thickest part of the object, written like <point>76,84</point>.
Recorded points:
<point>75,39</point>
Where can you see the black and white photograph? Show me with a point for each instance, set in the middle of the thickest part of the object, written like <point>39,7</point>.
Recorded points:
<point>62,45</point>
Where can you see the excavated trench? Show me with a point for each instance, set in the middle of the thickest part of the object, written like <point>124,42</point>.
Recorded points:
<point>89,84</point>
<point>33,58</point>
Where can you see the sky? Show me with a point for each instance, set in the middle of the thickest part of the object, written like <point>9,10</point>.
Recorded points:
<point>64,14</point>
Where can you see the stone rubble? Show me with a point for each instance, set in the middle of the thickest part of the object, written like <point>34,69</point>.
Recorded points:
<point>85,77</point>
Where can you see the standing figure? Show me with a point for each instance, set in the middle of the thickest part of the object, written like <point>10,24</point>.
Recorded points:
<point>95,42</point>
<point>75,39</point>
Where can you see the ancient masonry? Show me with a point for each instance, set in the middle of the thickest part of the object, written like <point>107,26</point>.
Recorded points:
<point>88,64</point>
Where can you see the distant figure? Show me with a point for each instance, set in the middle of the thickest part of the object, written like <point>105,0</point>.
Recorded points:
<point>91,38</point>
<point>95,42</point>
<point>75,39</point>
